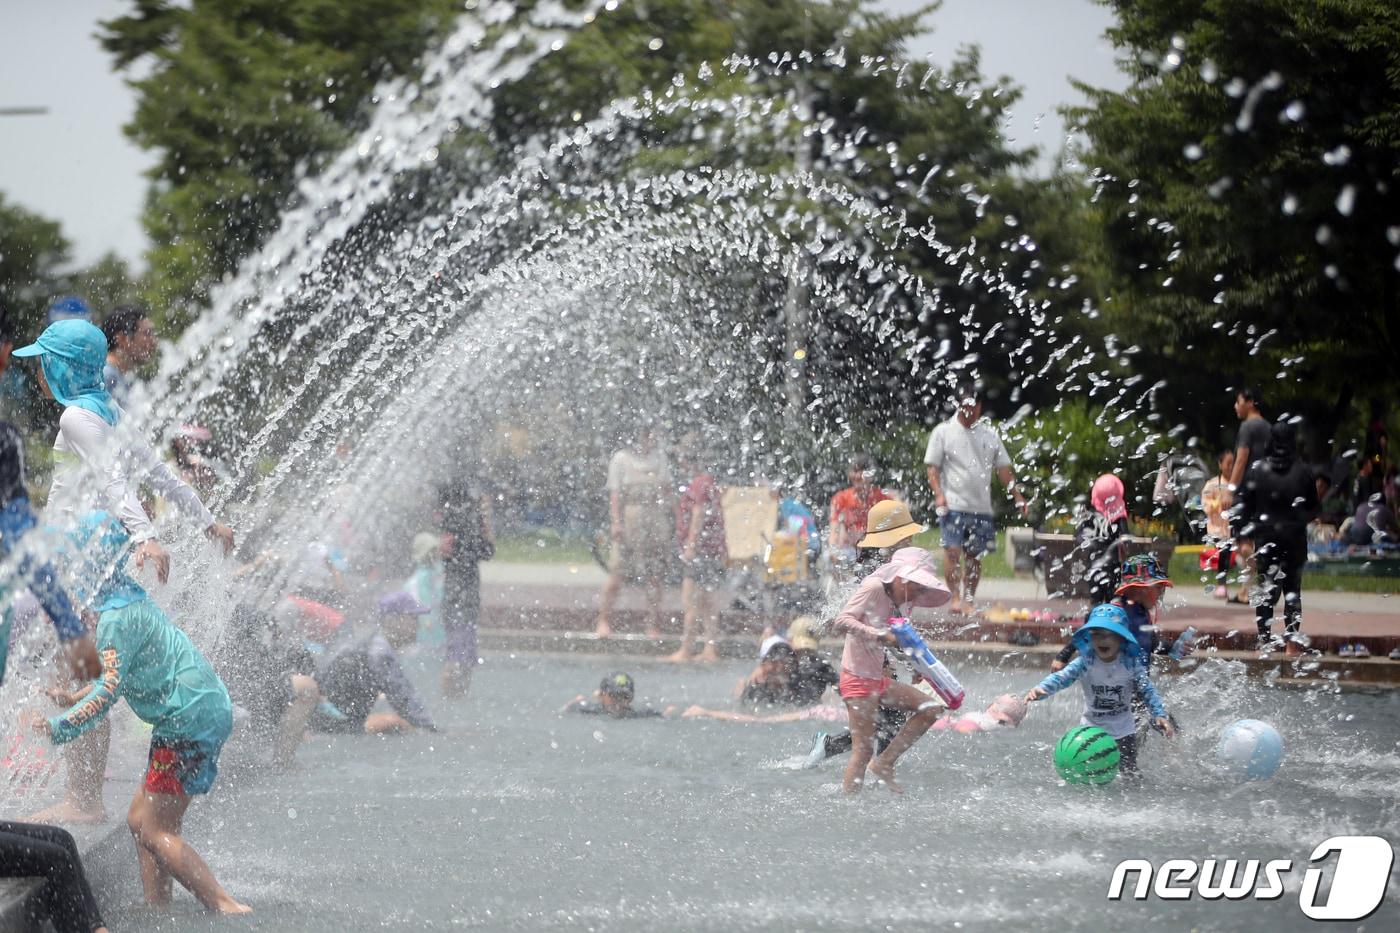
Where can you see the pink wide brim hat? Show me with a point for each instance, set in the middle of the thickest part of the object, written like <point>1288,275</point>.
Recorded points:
<point>1107,497</point>
<point>915,565</point>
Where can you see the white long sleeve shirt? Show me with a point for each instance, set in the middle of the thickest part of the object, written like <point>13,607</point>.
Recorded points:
<point>88,450</point>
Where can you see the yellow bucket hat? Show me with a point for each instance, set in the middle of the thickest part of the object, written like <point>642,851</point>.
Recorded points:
<point>889,523</point>
<point>801,634</point>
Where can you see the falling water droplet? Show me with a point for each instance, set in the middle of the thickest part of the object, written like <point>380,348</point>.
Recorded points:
<point>1346,200</point>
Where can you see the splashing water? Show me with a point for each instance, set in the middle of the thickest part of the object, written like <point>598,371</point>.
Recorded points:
<point>563,299</point>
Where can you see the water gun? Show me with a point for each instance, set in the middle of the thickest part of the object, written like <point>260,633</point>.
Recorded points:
<point>929,667</point>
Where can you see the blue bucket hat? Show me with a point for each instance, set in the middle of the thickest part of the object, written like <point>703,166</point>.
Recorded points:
<point>1108,618</point>
<point>68,308</point>
<point>399,603</point>
<point>72,354</point>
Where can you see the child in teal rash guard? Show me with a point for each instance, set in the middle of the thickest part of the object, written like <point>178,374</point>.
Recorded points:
<point>140,656</point>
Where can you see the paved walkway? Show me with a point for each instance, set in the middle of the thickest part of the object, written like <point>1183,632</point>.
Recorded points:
<point>565,597</point>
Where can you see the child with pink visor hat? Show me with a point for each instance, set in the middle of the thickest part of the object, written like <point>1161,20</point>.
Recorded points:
<point>1005,710</point>
<point>906,581</point>
<point>1101,536</point>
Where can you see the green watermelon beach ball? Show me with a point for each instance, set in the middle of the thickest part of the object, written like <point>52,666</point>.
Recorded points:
<point>1087,755</point>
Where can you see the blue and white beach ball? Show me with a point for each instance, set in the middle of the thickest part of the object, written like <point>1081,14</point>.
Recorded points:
<point>1251,749</point>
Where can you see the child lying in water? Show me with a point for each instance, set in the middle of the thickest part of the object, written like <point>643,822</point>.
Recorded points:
<point>614,698</point>
<point>1005,710</point>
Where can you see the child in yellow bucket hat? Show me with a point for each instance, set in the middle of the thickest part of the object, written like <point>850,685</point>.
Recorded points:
<point>890,526</point>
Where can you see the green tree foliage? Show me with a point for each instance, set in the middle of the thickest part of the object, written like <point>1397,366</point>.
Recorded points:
<point>240,95</point>
<point>1060,450</point>
<point>1249,191</point>
<point>33,251</point>
<point>925,145</point>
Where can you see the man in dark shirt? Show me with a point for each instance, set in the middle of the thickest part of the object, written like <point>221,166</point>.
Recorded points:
<point>1277,500</point>
<point>465,515</point>
<point>1250,445</point>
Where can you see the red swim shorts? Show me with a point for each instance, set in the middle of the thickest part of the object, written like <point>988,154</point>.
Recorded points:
<point>853,687</point>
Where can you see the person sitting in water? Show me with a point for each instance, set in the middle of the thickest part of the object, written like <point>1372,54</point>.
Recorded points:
<point>362,664</point>
<point>814,674</point>
<point>614,698</point>
<point>138,654</point>
<point>1112,669</point>
<point>783,678</point>
<point>272,677</point>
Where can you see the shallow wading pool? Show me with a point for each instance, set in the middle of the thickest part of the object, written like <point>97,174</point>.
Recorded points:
<point>522,819</point>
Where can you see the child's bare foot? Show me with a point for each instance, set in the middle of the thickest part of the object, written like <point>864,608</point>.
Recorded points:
<point>678,657</point>
<point>955,608</point>
<point>654,633</point>
<point>603,629</point>
<point>69,811</point>
<point>886,777</point>
<point>709,655</point>
<point>230,906</point>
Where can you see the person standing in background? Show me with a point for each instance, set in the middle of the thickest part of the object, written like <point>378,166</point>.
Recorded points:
<point>1250,445</point>
<point>639,511</point>
<point>1216,500</point>
<point>850,513</point>
<point>1278,498</point>
<point>131,344</point>
<point>963,453</point>
<point>465,511</point>
<point>703,551</point>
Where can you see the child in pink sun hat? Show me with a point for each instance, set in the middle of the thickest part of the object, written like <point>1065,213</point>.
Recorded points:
<point>906,581</point>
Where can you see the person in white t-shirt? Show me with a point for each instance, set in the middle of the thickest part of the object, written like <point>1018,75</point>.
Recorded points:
<point>640,494</point>
<point>963,453</point>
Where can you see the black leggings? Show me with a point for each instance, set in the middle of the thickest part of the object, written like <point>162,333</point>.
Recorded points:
<point>888,722</point>
<point>1280,568</point>
<point>31,850</point>
<point>1223,552</point>
<point>1127,755</point>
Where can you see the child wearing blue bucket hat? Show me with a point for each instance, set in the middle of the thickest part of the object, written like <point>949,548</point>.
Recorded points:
<point>1112,669</point>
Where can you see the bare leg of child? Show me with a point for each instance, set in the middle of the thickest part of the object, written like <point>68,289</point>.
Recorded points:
<point>155,820</point>
<point>952,573</point>
<point>157,884</point>
<point>860,712</point>
<point>973,575</point>
<point>654,589</point>
<point>924,710</point>
<point>386,724</point>
<point>690,596</point>
<point>293,724</point>
<point>86,759</point>
<point>710,620</point>
<point>606,601</point>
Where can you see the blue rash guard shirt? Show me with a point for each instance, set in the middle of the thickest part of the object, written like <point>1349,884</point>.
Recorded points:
<point>16,520</point>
